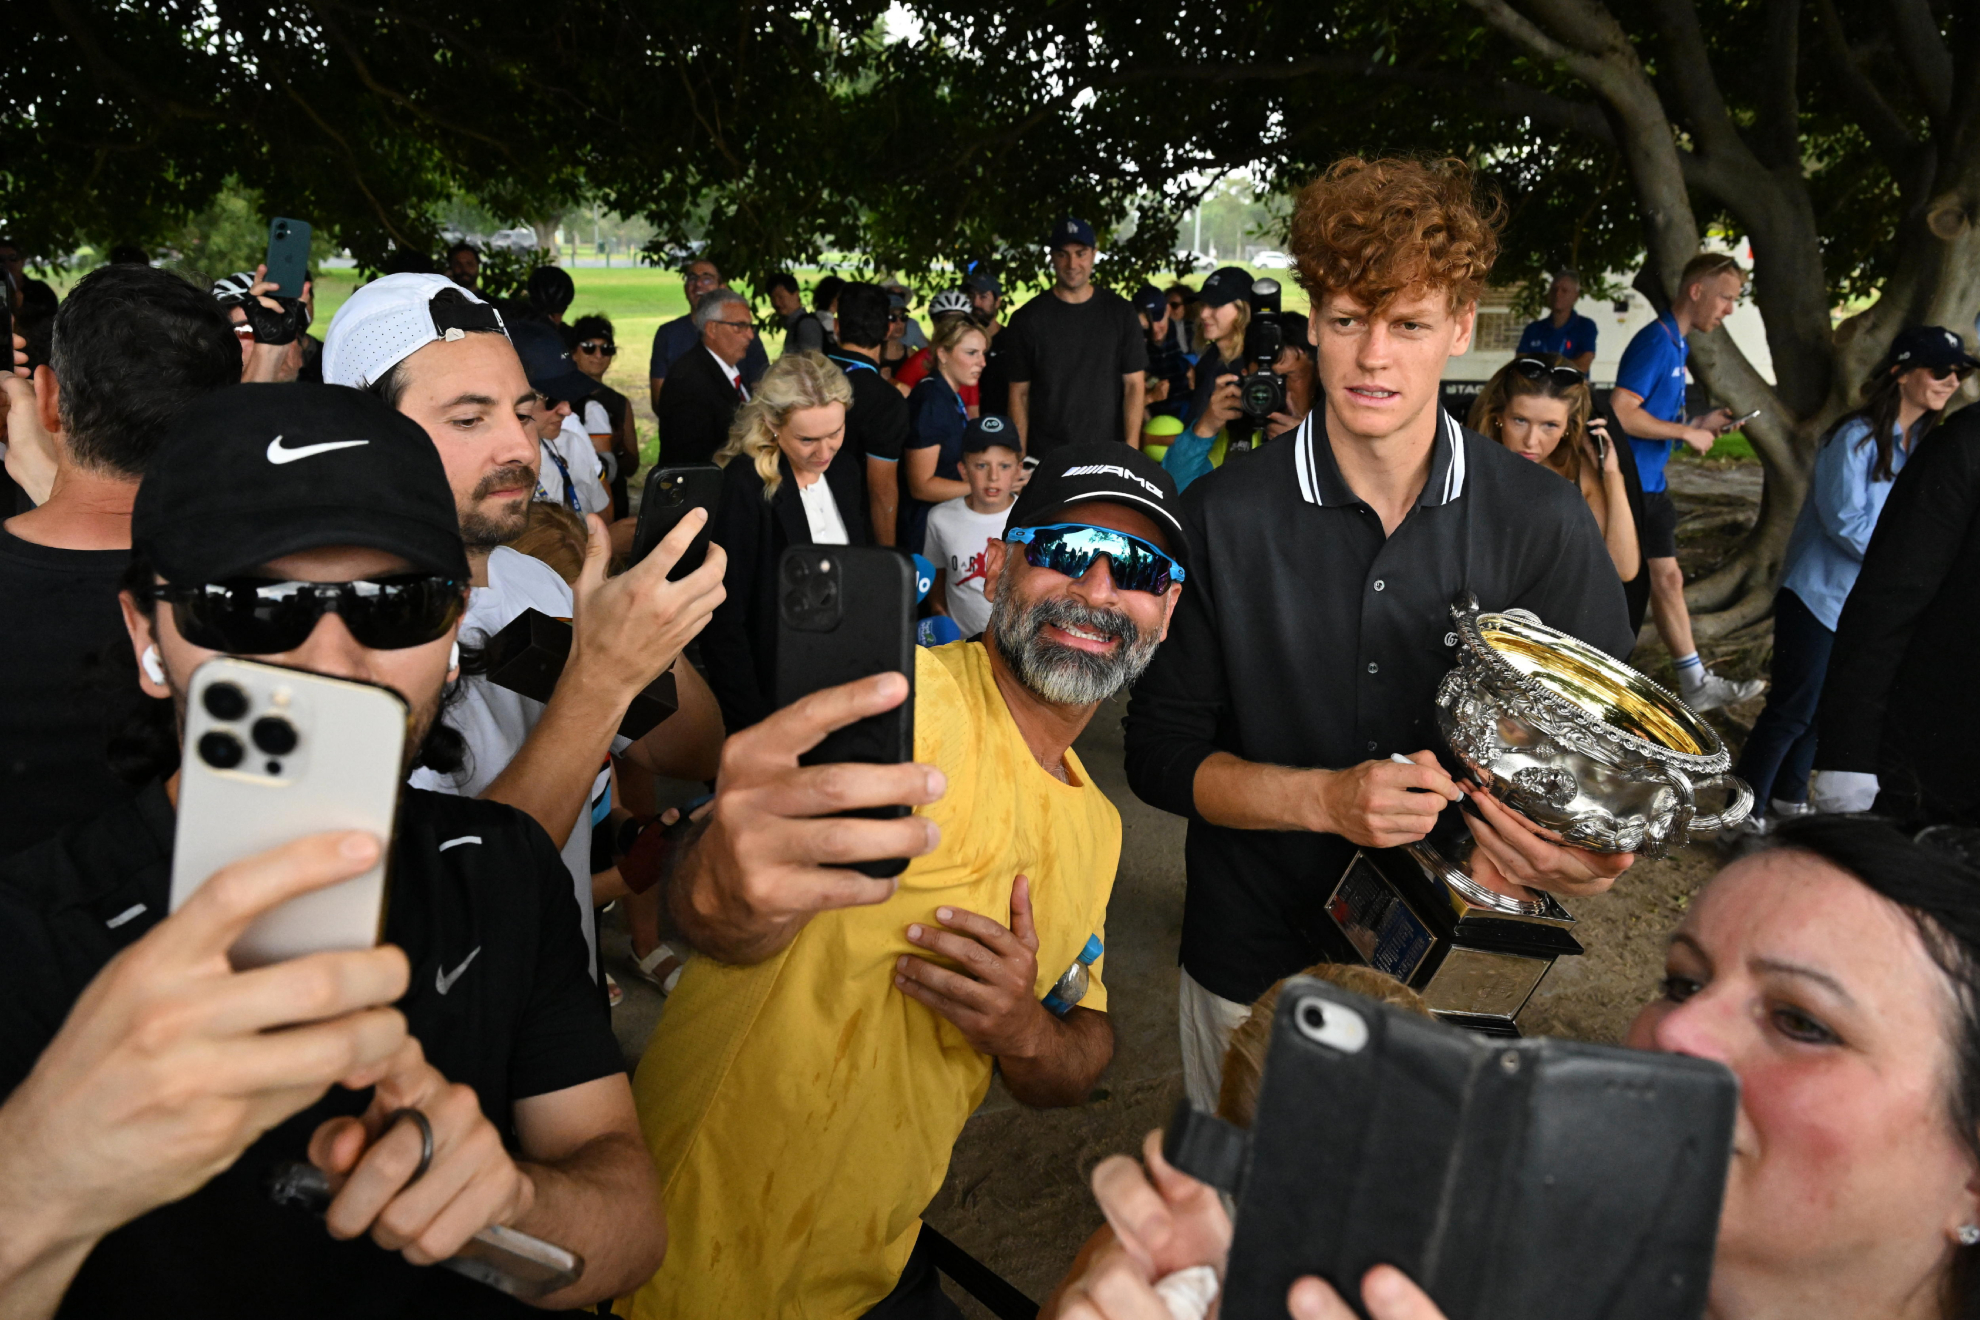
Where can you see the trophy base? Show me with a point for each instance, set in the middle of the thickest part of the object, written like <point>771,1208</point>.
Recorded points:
<point>1475,955</point>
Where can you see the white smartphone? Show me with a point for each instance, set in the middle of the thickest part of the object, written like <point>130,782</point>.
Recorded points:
<point>273,754</point>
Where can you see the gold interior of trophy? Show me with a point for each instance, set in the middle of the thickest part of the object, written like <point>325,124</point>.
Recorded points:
<point>1605,688</point>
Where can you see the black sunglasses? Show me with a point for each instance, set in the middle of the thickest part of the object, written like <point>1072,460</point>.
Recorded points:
<point>259,616</point>
<point>598,346</point>
<point>1564,376</point>
<point>1940,373</point>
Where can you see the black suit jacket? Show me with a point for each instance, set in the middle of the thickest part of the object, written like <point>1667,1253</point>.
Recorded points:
<point>739,645</point>
<point>696,408</point>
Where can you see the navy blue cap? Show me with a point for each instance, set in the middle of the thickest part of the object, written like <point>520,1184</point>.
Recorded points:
<point>982,282</point>
<point>1929,346</point>
<point>549,368</point>
<point>990,429</point>
<point>1226,285</point>
<point>1151,300</point>
<point>1069,230</point>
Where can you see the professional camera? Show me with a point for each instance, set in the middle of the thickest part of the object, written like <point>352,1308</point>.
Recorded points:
<point>1261,390</point>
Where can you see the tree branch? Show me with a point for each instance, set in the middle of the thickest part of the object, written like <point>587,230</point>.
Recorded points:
<point>1915,33</point>
<point>1887,133</point>
<point>1777,127</point>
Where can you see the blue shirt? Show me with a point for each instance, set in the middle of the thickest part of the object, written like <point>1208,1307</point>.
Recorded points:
<point>1570,340</point>
<point>1653,366</point>
<point>937,419</point>
<point>1825,553</point>
<point>679,335</point>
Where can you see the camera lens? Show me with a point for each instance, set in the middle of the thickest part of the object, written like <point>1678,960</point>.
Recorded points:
<point>222,751</point>
<point>225,701</point>
<point>275,736</point>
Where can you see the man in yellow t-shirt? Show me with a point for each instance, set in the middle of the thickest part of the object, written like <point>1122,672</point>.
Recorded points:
<point>814,1068</point>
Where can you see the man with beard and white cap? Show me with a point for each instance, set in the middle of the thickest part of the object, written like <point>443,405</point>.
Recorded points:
<point>442,356</point>
<point>841,1029</point>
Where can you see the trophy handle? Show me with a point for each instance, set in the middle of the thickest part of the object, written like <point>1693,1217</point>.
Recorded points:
<point>1735,811</point>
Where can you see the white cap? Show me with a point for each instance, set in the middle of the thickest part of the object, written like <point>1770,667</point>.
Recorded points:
<point>386,322</point>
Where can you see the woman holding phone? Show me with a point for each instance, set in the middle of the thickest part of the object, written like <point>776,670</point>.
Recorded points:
<point>1854,468</point>
<point>1835,974</point>
<point>779,489</point>
<point>1541,409</point>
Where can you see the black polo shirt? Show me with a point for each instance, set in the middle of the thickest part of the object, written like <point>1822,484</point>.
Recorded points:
<point>481,904</point>
<point>1306,638</point>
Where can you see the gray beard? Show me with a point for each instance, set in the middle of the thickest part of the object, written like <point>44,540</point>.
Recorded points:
<point>1059,674</point>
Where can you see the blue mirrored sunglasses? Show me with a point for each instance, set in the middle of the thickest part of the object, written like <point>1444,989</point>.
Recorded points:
<point>1071,548</point>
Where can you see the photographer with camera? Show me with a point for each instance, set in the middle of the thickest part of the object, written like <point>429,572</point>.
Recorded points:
<point>270,328</point>
<point>1834,974</point>
<point>312,527</point>
<point>1312,650</point>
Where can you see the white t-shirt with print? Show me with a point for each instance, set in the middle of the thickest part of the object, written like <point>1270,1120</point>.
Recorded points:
<point>821,513</point>
<point>496,722</point>
<point>955,543</point>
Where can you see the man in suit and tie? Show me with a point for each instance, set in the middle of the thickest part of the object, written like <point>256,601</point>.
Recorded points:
<point>705,385</point>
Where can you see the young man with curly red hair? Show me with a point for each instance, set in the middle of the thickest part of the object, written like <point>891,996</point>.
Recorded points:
<point>1312,648</point>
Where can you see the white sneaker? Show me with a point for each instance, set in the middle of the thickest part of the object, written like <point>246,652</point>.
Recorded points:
<point>1747,836</point>
<point>1712,691</point>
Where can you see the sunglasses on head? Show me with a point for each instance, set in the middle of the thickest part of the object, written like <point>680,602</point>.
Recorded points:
<point>1564,376</point>
<point>1071,548</point>
<point>598,346</point>
<point>260,616</point>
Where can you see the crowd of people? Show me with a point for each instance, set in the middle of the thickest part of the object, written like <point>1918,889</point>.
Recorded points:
<point>1249,522</point>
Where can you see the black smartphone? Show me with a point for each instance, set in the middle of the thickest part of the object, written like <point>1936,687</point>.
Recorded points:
<point>670,492</point>
<point>1508,1178</point>
<point>845,613</point>
<point>288,255</point>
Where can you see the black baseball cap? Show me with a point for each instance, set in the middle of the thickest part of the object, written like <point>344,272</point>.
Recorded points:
<point>1929,346</point>
<point>990,429</point>
<point>255,472</point>
<point>1070,229</point>
<point>1151,300</point>
<point>549,367</point>
<point>1101,470</point>
<point>1226,285</point>
<point>982,282</point>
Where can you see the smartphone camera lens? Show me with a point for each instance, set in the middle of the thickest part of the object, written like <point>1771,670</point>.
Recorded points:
<point>225,701</point>
<point>222,751</point>
<point>275,736</point>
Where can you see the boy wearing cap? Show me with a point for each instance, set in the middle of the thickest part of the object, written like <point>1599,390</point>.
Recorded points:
<point>1317,626</point>
<point>261,486</point>
<point>1075,354</point>
<point>803,1092</point>
<point>441,356</point>
<point>960,531</point>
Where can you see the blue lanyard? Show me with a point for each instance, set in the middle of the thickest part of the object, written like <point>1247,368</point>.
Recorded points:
<point>570,490</point>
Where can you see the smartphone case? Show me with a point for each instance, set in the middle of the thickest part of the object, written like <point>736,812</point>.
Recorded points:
<point>344,773</point>
<point>288,255</point>
<point>1511,1179</point>
<point>669,493</point>
<point>528,656</point>
<point>846,613</point>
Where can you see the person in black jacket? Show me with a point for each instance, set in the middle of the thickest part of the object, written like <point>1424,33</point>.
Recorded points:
<point>877,427</point>
<point>705,385</point>
<point>780,488</point>
<point>1308,649</point>
<point>1898,700</point>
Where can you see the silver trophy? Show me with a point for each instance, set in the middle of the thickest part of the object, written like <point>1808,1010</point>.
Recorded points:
<point>1580,744</point>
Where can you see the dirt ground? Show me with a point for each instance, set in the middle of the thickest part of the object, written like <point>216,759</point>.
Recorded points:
<point>1016,1195</point>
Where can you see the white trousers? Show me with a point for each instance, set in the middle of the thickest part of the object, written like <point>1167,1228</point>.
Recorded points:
<point>1207,1023</point>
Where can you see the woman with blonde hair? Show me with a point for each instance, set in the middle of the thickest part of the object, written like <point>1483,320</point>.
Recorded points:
<point>931,471</point>
<point>780,487</point>
<point>1540,408</point>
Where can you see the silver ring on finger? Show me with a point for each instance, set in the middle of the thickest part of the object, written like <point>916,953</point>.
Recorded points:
<point>425,1139</point>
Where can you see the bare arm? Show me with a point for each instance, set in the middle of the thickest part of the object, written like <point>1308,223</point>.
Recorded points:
<point>1583,363</point>
<point>1134,395</point>
<point>938,594</point>
<point>923,484</point>
<point>33,420</point>
<point>1639,423</point>
<point>1370,803</point>
<point>1020,406</point>
<point>688,743</point>
<point>627,630</point>
<point>1619,533</point>
<point>595,1188</point>
<point>653,384</point>
<point>883,498</point>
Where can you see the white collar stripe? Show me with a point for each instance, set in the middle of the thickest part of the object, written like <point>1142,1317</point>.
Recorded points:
<point>1308,439</point>
<point>1303,460</point>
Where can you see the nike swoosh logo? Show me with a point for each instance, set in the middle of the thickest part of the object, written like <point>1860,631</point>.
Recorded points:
<point>278,455</point>
<point>444,981</point>
<point>455,843</point>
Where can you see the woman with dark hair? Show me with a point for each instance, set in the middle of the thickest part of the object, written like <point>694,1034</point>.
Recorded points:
<point>1854,467</point>
<point>608,414</point>
<point>1540,408</point>
<point>1837,974</point>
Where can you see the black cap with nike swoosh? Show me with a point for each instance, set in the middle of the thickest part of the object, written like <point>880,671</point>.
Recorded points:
<point>256,472</point>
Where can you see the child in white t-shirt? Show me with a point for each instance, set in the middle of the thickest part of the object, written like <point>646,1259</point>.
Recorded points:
<point>961,529</point>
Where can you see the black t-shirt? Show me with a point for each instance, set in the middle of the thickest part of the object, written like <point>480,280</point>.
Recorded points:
<point>877,422</point>
<point>60,697</point>
<point>490,918</point>
<point>1074,356</point>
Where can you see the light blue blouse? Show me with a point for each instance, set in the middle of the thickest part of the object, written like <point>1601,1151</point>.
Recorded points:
<point>1825,553</point>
